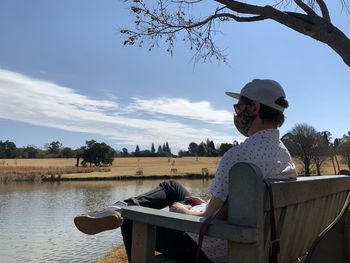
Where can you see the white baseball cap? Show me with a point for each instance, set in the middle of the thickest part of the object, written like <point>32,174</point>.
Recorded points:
<point>265,91</point>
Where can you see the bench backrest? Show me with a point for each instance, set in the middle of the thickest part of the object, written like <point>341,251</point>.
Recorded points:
<point>303,208</point>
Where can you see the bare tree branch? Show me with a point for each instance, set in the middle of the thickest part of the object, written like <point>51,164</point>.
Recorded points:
<point>305,7</point>
<point>166,20</point>
<point>242,8</point>
<point>324,10</point>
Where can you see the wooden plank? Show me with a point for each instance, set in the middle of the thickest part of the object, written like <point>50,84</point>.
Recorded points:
<point>246,209</point>
<point>188,223</point>
<point>308,188</point>
<point>143,243</point>
<point>304,222</point>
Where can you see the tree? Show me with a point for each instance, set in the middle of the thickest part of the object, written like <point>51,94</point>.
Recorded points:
<point>202,149</point>
<point>335,145</point>
<point>54,147</point>
<point>160,150</point>
<point>224,147</point>
<point>167,148</point>
<point>68,152</point>
<point>343,149</point>
<point>301,142</point>
<point>8,150</point>
<point>79,153</point>
<point>97,153</point>
<point>125,152</point>
<point>193,149</point>
<point>164,20</point>
<point>137,149</point>
<point>31,152</point>
<point>322,151</point>
<point>211,151</point>
<point>153,150</point>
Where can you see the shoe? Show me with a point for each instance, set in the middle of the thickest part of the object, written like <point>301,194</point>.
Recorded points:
<point>99,221</point>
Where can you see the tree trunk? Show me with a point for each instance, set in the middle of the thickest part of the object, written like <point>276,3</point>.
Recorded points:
<point>307,167</point>
<point>335,171</point>
<point>336,160</point>
<point>318,167</point>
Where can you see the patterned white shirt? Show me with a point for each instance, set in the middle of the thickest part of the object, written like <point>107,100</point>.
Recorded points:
<point>265,150</point>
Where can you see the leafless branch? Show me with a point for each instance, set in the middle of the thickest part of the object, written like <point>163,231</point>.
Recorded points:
<point>159,24</point>
<point>324,10</point>
<point>305,7</point>
<point>166,20</point>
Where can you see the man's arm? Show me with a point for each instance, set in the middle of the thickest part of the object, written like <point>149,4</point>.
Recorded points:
<point>214,204</point>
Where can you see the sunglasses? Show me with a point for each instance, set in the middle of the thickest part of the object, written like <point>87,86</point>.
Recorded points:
<point>238,107</point>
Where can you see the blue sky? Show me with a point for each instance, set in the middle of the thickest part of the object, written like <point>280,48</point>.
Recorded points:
<point>65,75</point>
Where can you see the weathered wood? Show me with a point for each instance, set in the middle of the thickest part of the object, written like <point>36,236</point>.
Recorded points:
<point>188,223</point>
<point>246,208</point>
<point>143,243</point>
<point>303,189</point>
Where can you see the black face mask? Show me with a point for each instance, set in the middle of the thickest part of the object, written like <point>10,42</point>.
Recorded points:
<point>243,121</point>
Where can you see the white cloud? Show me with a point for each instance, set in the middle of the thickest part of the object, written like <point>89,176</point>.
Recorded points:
<point>201,110</point>
<point>45,103</point>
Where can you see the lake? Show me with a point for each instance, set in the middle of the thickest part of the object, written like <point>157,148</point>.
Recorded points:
<point>36,220</point>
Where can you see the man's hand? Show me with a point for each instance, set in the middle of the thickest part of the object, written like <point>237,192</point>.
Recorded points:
<point>180,208</point>
<point>195,200</point>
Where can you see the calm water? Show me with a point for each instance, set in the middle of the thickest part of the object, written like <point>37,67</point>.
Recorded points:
<point>36,220</point>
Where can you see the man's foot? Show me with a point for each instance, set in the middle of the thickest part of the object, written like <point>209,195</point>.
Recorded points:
<point>99,221</point>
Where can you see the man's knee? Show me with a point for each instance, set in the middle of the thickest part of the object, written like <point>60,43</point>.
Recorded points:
<point>170,184</point>
<point>132,201</point>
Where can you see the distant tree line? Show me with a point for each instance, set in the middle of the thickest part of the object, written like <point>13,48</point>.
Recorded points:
<point>304,143</point>
<point>207,149</point>
<point>93,153</point>
<point>162,151</point>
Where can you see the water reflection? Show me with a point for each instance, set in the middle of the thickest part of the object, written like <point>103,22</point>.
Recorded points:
<point>36,220</point>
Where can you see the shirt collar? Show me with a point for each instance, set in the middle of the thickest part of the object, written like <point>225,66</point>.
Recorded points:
<point>273,133</point>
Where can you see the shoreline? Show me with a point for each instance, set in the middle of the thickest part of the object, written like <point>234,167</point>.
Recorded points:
<point>69,178</point>
<point>128,177</point>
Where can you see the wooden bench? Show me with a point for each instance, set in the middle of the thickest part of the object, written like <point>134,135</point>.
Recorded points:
<point>303,208</point>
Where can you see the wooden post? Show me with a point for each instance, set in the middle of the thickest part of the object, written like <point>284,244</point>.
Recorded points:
<point>246,202</point>
<point>143,243</point>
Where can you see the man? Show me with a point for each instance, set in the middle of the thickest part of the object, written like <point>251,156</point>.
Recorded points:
<point>258,115</point>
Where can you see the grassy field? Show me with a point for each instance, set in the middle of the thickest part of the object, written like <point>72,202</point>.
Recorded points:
<point>121,167</point>
<point>63,169</point>
<point>158,166</point>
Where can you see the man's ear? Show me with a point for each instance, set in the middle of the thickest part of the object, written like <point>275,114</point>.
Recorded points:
<point>255,107</point>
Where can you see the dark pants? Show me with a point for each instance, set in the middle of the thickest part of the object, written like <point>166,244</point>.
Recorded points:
<point>176,244</point>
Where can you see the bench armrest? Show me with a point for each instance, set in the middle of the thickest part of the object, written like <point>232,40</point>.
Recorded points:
<point>188,223</point>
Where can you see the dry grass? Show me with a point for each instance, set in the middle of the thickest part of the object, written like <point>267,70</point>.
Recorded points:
<point>161,166</point>
<point>115,255</point>
<point>56,169</point>
<point>38,173</point>
<point>326,168</point>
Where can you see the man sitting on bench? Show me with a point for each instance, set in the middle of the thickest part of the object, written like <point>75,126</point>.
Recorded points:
<point>258,115</point>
